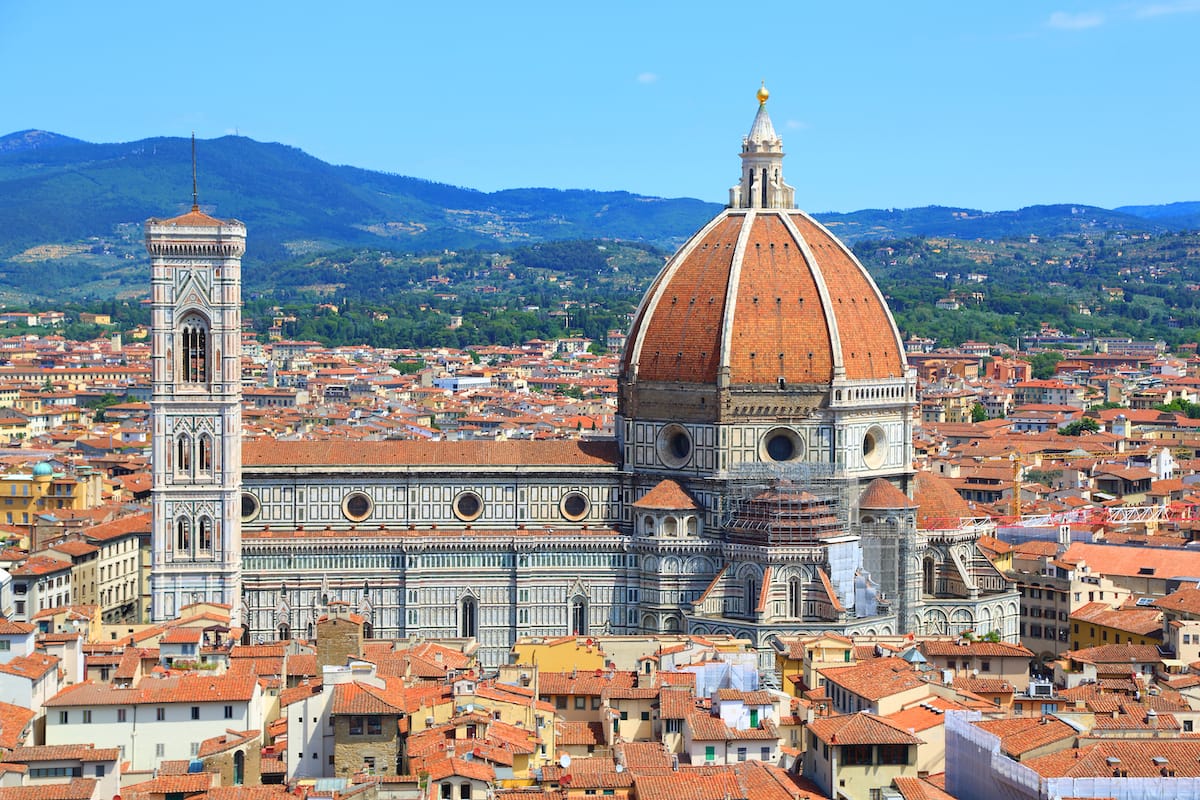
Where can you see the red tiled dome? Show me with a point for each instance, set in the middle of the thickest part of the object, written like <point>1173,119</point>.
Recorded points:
<point>881,494</point>
<point>762,295</point>
<point>938,503</point>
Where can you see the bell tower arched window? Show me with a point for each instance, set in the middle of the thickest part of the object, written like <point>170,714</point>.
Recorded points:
<point>183,536</point>
<point>183,455</point>
<point>193,349</point>
<point>204,541</point>
<point>205,461</point>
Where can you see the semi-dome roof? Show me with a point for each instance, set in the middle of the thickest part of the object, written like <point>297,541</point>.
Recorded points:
<point>763,296</point>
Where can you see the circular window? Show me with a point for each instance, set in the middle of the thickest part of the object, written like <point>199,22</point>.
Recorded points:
<point>357,507</point>
<point>468,506</point>
<point>874,447</point>
<point>250,507</point>
<point>782,444</point>
<point>574,506</point>
<point>674,446</point>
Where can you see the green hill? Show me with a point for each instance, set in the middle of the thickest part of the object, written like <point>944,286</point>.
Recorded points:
<point>71,213</point>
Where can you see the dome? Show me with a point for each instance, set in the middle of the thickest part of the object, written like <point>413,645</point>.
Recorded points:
<point>881,495</point>
<point>763,296</point>
<point>939,505</point>
<point>43,469</point>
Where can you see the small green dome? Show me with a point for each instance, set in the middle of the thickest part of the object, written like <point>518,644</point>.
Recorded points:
<point>43,470</point>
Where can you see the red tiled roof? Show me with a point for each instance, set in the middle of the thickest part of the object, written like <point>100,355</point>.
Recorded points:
<point>667,495</point>
<point>1127,561</point>
<point>860,728</point>
<point>964,647</point>
<point>186,688</point>
<point>74,789</point>
<point>937,500</point>
<point>14,723</point>
<point>572,452</point>
<point>63,752</point>
<point>1137,757</point>
<point>875,678</point>
<point>881,494</point>
<point>10,627</point>
<point>34,666</point>
<point>1020,735</point>
<point>192,219</point>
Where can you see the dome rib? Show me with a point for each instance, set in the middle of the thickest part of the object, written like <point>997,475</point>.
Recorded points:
<point>864,321</point>
<point>731,289</point>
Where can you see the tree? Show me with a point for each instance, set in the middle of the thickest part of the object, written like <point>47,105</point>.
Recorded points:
<point>1043,364</point>
<point>978,413</point>
<point>1079,427</point>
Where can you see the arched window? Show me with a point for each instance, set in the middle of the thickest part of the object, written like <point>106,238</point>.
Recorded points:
<point>284,632</point>
<point>468,618</point>
<point>795,598</point>
<point>670,526</point>
<point>751,594</point>
<point>183,535</point>
<point>579,616</point>
<point>205,462</point>
<point>193,349</point>
<point>183,454</point>
<point>204,542</point>
<point>648,525</point>
<point>928,573</point>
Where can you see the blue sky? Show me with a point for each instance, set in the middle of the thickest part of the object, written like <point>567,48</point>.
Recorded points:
<point>886,104</point>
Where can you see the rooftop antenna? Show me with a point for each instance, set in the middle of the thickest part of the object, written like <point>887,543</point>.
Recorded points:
<point>195,200</point>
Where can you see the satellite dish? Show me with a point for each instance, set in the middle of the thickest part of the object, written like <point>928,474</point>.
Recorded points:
<point>620,768</point>
<point>565,760</point>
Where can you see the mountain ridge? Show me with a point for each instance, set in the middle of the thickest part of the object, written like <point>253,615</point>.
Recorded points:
<point>59,194</point>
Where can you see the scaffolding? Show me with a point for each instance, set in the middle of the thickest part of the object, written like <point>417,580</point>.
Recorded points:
<point>786,505</point>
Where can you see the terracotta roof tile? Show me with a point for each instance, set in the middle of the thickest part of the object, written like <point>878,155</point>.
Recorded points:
<point>186,688</point>
<point>881,494</point>
<point>1136,757</point>
<point>667,495</point>
<point>74,789</point>
<point>937,501</point>
<point>63,752</point>
<point>14,724</point>
<point>573,452</point>
<point>875,678</point>
<point>860,728</point>
<point>1019,735</point>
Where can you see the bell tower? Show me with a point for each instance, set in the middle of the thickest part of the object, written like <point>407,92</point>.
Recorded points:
<point>195,263</point>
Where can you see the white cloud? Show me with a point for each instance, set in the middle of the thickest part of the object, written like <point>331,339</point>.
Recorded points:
<point>1066,21</point>
<point>796,125</point>
<point>1167,9</point>
<point>647,77</point>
